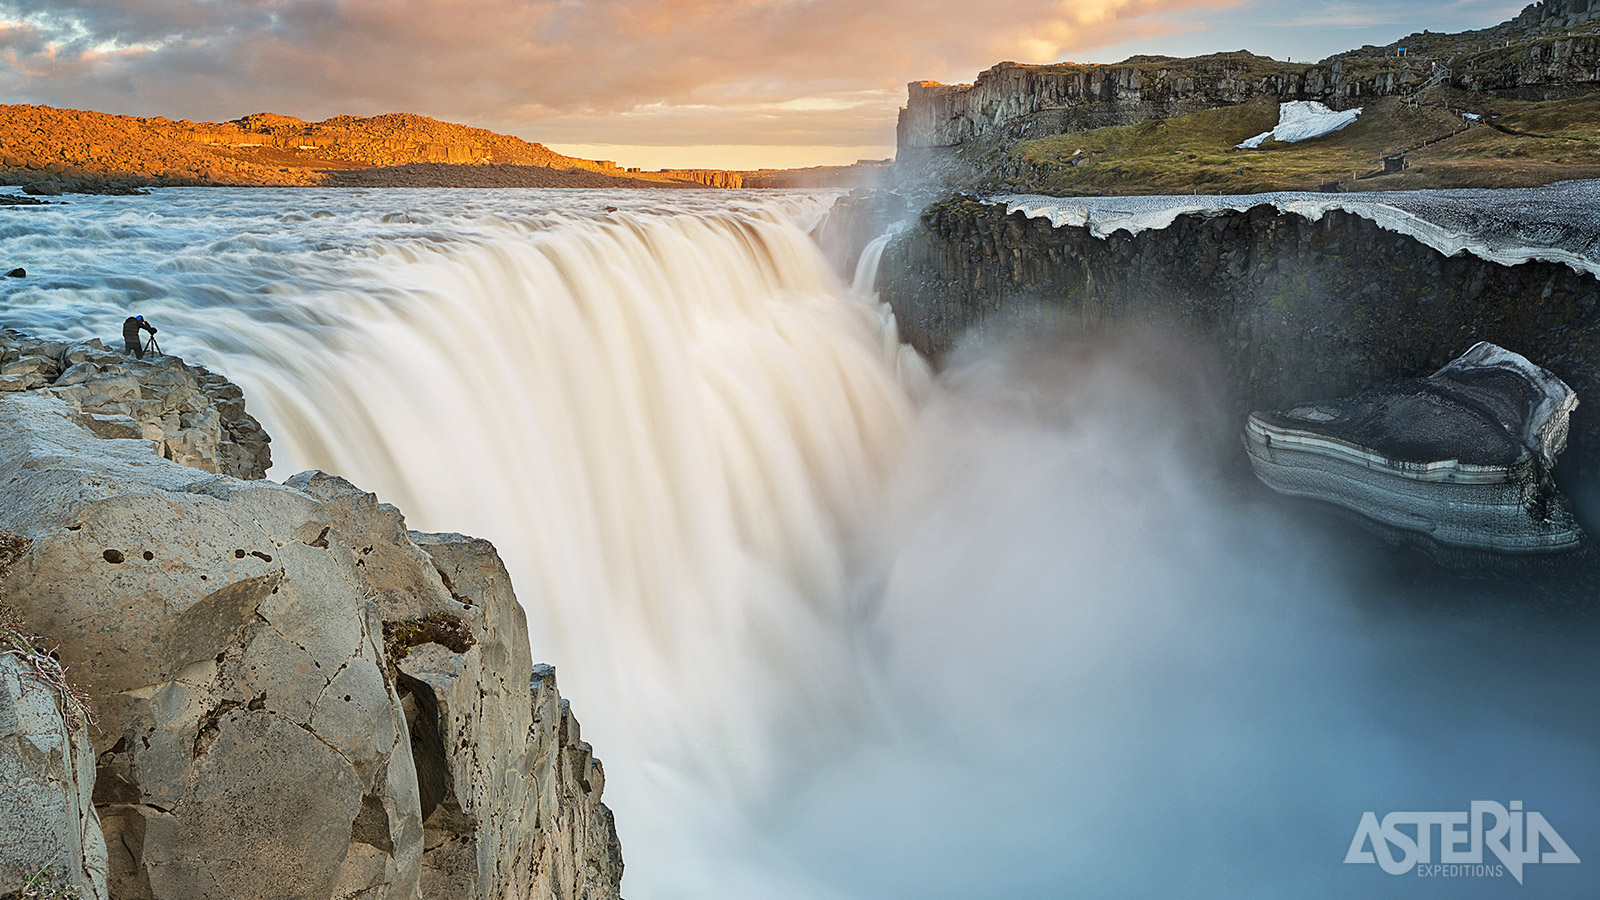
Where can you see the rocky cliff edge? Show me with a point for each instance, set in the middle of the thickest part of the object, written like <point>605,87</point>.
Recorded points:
<point>297,696</point>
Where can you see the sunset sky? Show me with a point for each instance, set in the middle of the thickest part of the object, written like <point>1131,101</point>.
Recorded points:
<point>653,83</point>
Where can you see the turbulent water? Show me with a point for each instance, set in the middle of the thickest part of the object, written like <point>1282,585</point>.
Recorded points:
<point>835,629</point>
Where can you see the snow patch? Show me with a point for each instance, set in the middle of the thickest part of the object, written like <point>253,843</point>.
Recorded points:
<point>1302,120</point>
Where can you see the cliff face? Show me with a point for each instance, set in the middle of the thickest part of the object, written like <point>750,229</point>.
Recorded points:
<point>298,698</point>
<point>1551,50</point>
<point>1012,102</point>
<point>1297,310</point>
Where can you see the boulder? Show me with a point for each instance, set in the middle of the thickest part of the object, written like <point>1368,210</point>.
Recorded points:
<point>1463,456</point>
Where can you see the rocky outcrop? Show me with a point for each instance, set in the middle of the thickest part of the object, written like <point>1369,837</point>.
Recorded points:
<point>192,416</point>
<point>1296,309</point>
<point>47,819</point>
<point>1535,56</point>
<point>1463,456</point>
<point>1558,14</point>
<point>298,698</point>
<point>716,178</point>
<point>1012,101</point>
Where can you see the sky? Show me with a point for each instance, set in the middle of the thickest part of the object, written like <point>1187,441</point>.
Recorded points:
<point>733,84</point>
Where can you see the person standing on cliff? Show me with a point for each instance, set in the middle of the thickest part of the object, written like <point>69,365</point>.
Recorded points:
<point>130,334</point>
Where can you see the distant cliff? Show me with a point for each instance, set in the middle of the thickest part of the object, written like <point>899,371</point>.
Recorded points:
<point>51,150</point>
<point>1551,50</point>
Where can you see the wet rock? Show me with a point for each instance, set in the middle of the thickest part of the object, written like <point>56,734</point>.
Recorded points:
<point>1292,308</point>
<point>18,272</point>
<point>1463,456</point>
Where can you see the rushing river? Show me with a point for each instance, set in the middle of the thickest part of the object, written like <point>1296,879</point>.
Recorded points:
<point>838,629</point>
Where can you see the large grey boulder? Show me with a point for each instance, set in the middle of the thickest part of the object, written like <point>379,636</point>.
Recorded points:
<point>1463,456</point>
<point>256,739</point>
<point>47,817</point>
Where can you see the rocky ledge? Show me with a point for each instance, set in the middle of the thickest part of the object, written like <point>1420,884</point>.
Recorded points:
<point>297,696</point>
<point>193,416</point>
<point>1463,456</point>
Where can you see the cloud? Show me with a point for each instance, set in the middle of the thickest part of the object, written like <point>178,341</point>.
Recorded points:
<point>725,69</point>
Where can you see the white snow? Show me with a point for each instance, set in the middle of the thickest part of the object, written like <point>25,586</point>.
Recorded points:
<point>1302,120</point>
<point>1557,223</point>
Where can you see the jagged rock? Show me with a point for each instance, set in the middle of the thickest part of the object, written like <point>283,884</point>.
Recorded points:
<point>190,415</point>
<point>256,740</point>
<point>1463,456</point>
<point>487,736</point>
<point>47,816</point>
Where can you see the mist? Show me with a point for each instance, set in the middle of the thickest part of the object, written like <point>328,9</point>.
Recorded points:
<point>1108,664</point>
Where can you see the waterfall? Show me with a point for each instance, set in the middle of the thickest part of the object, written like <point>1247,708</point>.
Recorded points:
<point>838,629</point>
<point>673,420</point>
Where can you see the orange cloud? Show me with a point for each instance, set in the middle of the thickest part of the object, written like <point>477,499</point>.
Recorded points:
<point>657,72</point>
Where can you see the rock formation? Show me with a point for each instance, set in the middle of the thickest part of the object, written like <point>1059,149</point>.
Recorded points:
<point>1294,308</point>
<point>1463,456</point>
<point>192,416</point>
<point>298,698</point>
<point>1535,56</point>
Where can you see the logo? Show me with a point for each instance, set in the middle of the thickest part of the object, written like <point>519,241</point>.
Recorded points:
<point>1514,838</point>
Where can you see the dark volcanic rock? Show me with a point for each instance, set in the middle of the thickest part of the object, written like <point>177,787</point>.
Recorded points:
<point>1297,309</point>
<point>1463,456</point>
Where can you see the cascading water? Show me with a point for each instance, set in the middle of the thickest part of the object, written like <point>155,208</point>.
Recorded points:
<point>837,630</point>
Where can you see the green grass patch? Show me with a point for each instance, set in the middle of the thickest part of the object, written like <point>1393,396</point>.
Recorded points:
<point>436,628</point>
<point>1197,152</point>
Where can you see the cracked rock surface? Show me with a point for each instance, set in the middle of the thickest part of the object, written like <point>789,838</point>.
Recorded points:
<point>255,739</point>
<point>47,819</point>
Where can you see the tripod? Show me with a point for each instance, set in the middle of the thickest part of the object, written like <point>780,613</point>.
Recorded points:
<point>152,347</point>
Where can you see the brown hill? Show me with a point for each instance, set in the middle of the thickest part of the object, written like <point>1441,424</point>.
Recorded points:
<point>50,150</point>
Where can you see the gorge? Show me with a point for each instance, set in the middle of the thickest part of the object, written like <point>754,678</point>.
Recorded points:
<point>797,589</point>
